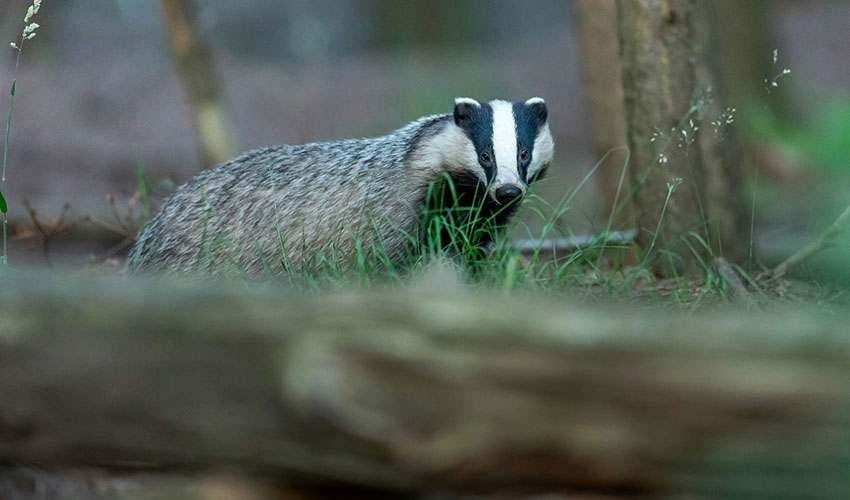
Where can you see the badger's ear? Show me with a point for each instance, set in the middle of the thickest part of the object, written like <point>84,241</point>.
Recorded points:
<point>464,110</point>
<point>538,109</point>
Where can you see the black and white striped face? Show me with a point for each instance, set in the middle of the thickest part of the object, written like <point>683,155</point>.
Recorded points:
<point>512,142</point>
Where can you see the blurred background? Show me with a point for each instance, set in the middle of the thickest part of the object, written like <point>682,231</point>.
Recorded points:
<point>99,95</point>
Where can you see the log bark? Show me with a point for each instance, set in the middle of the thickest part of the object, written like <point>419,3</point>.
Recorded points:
<point>195,65</point>
<point>453,391</point>
<point>672,94</point>
<point>26,483</point>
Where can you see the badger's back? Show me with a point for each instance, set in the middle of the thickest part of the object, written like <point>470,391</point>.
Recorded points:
<point>290,204</point>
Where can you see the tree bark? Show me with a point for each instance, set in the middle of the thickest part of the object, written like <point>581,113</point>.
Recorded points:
<point>603,83</point>
<point>195,65</point>
<point>685,181</point>
<point>450,391</point>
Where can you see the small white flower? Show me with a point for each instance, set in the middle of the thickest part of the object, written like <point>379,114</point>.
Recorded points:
<point>773,83</point>
<point>31,11</point>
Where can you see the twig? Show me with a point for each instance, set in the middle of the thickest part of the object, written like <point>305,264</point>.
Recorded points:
<point>48,229</point>
<point>574,243</point>
<point>814,247</point>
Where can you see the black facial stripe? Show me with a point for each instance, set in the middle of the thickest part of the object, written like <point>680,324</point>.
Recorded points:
<point>478,126</point>
<point>528,120</point>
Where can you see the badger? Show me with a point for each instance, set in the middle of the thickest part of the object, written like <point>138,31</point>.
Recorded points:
<point>281,208</point>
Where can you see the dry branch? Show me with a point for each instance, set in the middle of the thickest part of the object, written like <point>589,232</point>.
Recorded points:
<point>453,391</point>
<point>823,241</point>
<point>569,244</point>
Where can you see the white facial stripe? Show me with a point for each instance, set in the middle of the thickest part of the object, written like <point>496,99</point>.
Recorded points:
<point>534,100</point>
<point>544,149</point>
<point>504,143</point>
<point>451,151</point>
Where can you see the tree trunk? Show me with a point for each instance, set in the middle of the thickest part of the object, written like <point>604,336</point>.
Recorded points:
<point>195,65</point>
<point>603,83</point>
<point>684,178</point>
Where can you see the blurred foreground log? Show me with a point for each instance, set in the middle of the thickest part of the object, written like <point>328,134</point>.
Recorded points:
<point>452,392</point>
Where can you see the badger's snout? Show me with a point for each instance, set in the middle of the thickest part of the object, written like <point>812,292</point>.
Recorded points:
<point>507,193</point>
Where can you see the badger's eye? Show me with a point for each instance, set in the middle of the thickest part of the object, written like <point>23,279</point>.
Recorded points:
<point>485,157</point>
<point>523,155</point>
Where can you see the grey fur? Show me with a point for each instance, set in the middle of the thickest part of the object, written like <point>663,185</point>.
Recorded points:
<point>313,199</point>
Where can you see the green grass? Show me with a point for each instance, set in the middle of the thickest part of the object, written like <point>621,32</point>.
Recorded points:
<point>601,270</point>
<point>453,232</point>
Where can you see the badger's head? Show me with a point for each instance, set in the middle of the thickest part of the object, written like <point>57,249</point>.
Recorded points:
<point>512,142</point>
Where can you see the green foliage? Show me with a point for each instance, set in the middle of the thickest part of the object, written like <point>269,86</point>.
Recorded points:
<point>828,141</point>
<point>142,186</point>
<point>3,207</point>
<point>824,141</point>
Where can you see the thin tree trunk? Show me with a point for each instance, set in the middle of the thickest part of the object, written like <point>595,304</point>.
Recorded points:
<point>603,82</point>
<point>196,67</point>
<point>684,174</point>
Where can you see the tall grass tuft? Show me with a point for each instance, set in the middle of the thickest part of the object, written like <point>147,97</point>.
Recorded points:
<point>28,33</point>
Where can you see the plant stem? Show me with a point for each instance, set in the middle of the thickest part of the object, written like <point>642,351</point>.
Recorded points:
<point>670,189</point>
<point>753,216</point>
<point>4,260</point>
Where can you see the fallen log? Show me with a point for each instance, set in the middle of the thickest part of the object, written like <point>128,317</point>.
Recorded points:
<point>455,391</point>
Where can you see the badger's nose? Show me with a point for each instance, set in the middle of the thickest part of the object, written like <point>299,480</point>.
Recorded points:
<point>508,193</point>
